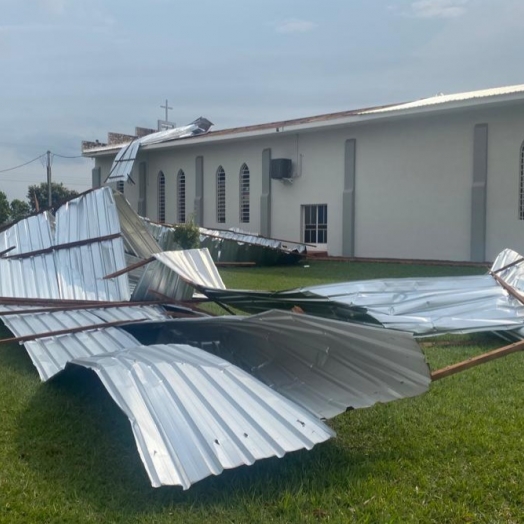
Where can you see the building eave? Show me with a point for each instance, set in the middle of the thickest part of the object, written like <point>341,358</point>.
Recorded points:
<point>384,113</point>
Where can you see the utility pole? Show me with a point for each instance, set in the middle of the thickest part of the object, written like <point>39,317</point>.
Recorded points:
<point>49,192</point>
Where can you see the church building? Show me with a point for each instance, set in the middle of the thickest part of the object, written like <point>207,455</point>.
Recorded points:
<point>440,178</point>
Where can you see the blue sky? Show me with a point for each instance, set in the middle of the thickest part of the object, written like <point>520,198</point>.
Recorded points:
<point>75,69</point>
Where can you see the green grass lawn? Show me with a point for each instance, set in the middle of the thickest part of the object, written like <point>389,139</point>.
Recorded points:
<point>455,454</point>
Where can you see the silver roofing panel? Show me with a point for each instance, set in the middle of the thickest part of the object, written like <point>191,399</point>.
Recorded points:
<point>81,271</point>
<point>423,306</point>
<point>30,234</point>
<point>33,277</point>
<point>51,354</point>
<point>137,238</point>
<point>124,161</point>
<point>448,99</point>
<point>159,281</point>
<point>94,214</point>
<point>194,266</point>
<point>194,414</point>
<point>326,366</point>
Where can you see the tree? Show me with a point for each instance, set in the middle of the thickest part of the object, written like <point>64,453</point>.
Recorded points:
<point>187,235</point>
<point>4,208</point>
<point>19,209</point>
<point>38,193</point>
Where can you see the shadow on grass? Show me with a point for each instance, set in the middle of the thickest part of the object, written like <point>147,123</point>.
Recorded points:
<point>15,357</point>
<point>80,443</point>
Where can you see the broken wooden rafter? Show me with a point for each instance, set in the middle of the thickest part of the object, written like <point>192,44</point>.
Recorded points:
<point>476,361</point>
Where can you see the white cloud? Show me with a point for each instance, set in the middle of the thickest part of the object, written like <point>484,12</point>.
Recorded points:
<point>294,25</point>
<point>438,8</point>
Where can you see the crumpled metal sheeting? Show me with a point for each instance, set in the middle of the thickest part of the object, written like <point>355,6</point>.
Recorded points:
<point>423,306</point>
<point>250,238</point>
<point>164,235</point>
<point>514,275</point>
<point>159,281</point>
<point>33,277</point>
<point>124,161</point>
<point>194,414</point>
<point>230,246</point>
<point>138,239</point>
<point>30,234</point>
<point>81,271</point>
<point>94,214</point>
<point>193,265</point>
<point>323,365</point>
<point>51,354</point>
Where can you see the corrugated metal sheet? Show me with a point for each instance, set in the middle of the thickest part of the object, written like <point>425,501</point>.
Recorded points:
<point>423,306</point>
<point>194,414</point>
<point>31,234</point>
<point>137,238</point>
<point>51,354</point>
<point>159,281</point>
<point>123,164</point>
<point>33,277</point>
<point>75,272</point>
<point>92,215</point>
<point>323,365</point>
<point>233,246</point>
<point>446,99</point>
<point>169,275</point>
<point>193,265</point>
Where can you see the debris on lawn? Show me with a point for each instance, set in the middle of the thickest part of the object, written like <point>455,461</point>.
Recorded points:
<point>427,306</point>
<point>235,246</point>
<point>90,286</point>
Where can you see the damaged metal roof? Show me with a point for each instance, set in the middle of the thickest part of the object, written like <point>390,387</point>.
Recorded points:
<point>423,306</point>
<point>194,414</point>
<point>65,295</point>
<point>234,245</point>
<point>323,365</point>
<point>124,161</point>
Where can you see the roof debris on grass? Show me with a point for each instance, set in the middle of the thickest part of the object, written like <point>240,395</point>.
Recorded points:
<point>203,394</point>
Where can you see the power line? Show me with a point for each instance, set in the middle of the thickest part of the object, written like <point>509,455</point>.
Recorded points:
<point>65,156</point>
<point>22,165</point>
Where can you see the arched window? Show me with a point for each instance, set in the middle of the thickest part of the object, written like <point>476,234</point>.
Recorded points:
<point>181,196</point>
<point>120,186</point>
<point>161,197</point>
<point>521,183</point>
<point>244,194</point>
<point>221,195</point>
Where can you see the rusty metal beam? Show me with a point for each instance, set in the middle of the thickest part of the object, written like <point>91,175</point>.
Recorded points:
<point>476,361</point>
<point>68,245</point>
<point>68,331</point>
<point>130,268</point>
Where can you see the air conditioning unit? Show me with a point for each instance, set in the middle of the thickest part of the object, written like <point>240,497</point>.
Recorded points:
<point>281,168</point>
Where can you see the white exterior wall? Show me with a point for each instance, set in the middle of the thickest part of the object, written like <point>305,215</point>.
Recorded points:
<point>413,182</point>
<point>505,137</point>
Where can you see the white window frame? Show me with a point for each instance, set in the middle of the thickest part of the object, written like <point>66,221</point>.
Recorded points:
<point>120,186</point>
<point>244,194</point>
<point>315,224</point>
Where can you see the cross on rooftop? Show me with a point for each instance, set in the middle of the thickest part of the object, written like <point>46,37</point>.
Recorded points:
<point>167,108</point>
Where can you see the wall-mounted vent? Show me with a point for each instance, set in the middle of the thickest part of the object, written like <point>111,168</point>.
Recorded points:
<point>281,168</point>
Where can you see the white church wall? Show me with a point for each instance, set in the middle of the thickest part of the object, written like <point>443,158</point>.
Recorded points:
<point>505,137</point>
